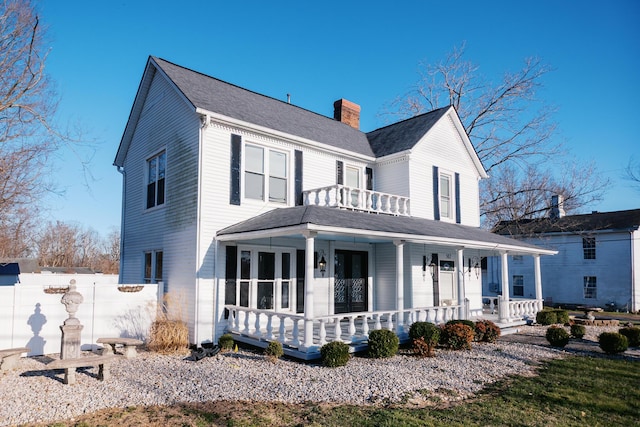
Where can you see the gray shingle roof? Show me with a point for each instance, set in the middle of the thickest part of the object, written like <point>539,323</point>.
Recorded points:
<point>403,135</point>
<point>618,220</point>
<point>233,101</point>
<point>333,217</point>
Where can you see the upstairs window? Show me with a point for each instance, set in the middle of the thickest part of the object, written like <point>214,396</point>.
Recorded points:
<point>156,171</point>
<point>260,164</point>
<point>589,247</point>
<point>445,196</point>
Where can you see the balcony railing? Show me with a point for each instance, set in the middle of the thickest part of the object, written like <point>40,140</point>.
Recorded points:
<point>343,197</point>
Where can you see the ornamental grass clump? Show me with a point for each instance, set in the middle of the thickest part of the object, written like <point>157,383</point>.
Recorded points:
<point>169,332</point>
<point>613,342</point>
<point>334,354</point>
<point>383,343</point>
<point>274,351</point>
<point>425,337</point>
<point>633,335</point>
<point>486,331</point>
<point>578,331</point>
<point>557,336</point>
<point>225,342</point>
<point>456,336</point>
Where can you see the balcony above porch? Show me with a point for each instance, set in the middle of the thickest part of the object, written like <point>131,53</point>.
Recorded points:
<point>357,199</point>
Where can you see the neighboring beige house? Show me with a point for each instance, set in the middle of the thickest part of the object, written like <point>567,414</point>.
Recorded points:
<point>275,222</point>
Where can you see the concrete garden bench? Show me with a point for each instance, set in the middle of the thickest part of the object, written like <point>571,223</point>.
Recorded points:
<point>9,357</point>
<point>70,365</point>
<point>129,345</point>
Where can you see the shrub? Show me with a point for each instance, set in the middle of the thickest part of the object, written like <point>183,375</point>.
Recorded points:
<point>578,331</point>
<point>274,350</point>
<point>486,331</point>
<point>423,348</point>
<point>456,336</point>
<point>562,316</point>
<point>425,337</point>
<point>334,354</point>
<point>226,342</point>
<point>546,317</point>
<point>633,335</point>
<point>469,323</point>
<point>613,342</point>
<point>557,336</point>
<point>383,343</point>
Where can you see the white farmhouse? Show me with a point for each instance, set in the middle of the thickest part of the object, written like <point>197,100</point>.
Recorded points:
<point>598,261</point>
<point>276,223</point>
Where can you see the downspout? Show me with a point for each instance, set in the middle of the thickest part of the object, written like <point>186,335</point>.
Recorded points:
<point>633,273</point>
<point>122,221</point>
<point>204,122</point>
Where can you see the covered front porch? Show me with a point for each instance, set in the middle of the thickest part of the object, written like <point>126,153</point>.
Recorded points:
<point>355,272</point>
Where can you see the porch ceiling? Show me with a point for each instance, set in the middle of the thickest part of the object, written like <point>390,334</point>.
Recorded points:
<point>339,224</point>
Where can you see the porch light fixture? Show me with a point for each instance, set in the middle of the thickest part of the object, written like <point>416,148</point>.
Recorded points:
<point>475,261</point>
<point>432,268</point>
<point>322,264</point>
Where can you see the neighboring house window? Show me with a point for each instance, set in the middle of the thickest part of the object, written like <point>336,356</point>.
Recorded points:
<point>517,259</point>
<point>589,247</point>
<point>153,267</point>
<point>445,196</point>
<point>518,286</point>
<point>156,171</point>
<point>261,163</point>
<point>590,287</point>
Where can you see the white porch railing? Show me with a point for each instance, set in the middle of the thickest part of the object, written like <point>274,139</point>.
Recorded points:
<point>340,196</point>
<point>515,309</point>
<point>350,328</point>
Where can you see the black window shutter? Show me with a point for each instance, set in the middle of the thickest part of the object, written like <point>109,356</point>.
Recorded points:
<point>234,190</point>
<point>231,268</point>
<point>339,172</point>
<point>298,178</point>
<point>369,173</point>
<point>457,190</point>
<point>436,193</point>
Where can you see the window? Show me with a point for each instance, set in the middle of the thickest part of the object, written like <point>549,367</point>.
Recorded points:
<point>589,247</point>
<point>445,196</point>
<point>517,259</point>
<point>518,286</point>
<point>153,267</point>
<point>260,163</point>
<point>156,171</point>
<point>590,287</point>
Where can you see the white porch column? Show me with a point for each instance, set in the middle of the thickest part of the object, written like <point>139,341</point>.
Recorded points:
<point>461,284</point>
<point>503,308</point>
<point>308,289</point>
<point>538,280</point>
<point>399,285</point>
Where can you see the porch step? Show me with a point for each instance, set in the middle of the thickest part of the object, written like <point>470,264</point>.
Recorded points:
<point>511,327</point>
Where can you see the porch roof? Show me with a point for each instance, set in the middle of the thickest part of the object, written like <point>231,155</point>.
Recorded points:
<point>338,223</point>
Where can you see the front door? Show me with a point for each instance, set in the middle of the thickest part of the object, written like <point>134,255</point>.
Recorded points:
<point>351,281</point>
<point>447,282</point>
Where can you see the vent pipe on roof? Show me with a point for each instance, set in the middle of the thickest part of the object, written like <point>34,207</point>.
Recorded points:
<point>288,98</point>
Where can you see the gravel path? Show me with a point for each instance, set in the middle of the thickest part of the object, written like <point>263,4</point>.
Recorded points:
<point>30,394</point>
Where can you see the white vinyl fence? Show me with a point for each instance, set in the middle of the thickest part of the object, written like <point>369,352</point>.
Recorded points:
<point>31,312</point>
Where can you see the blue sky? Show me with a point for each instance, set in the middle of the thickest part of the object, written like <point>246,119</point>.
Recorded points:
<point>368,52</point>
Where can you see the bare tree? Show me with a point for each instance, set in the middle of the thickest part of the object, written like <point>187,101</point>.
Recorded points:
<point>512,131</point>
<point>58,245</point>
<point>632,172</point>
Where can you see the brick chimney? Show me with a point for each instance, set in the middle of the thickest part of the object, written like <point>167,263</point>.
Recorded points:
<point>347,112</point>
<point>557,207</point>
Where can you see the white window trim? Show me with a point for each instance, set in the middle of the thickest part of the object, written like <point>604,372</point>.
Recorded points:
<point>266,174</point>
<point>452,197</point>
<point>277,283</point>
<point>154,257</point>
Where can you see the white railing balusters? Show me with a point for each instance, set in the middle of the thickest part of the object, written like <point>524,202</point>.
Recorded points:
<point>357,199</point>
<point>352,328</point>
<point>296,334</point>
<point>270,335</point>
<point>323,332</point>
<point>365,325</point>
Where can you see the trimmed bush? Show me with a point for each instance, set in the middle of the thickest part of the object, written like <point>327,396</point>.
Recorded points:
<point>274,350</point>
<point>423,348</point>
<point>383,343</point>
<point>633,335</point>
<point>578,331</point>
<point>613,342</point>
<point>562,316</point>
<point>456,336</point>
<point>557,336</point>
<point>334,354</point>
<point>469,323</point>
<point>226,342</point>
<point>546,317</point>
<point>425,337</point>
<point>486,331</point>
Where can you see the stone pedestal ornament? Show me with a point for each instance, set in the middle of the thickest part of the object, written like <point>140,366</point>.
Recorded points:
<point>71,329</point>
